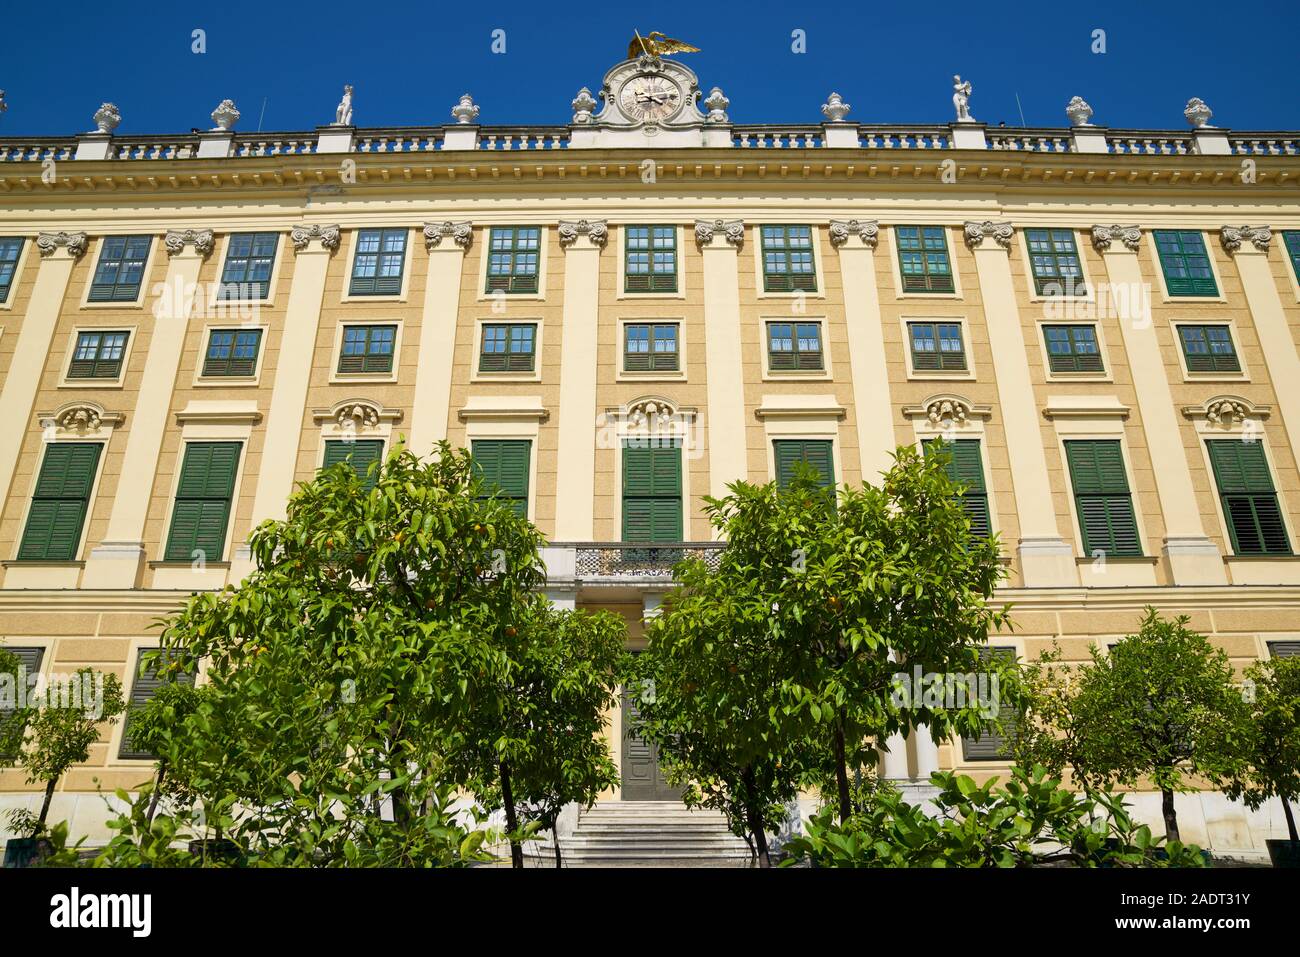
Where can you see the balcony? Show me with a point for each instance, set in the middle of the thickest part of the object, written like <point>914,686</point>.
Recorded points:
<point>622,563</point>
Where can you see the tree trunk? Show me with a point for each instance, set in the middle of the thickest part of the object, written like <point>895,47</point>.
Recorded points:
<point>45,807</point>
<point>555,836</point>
<point>157,793</point>
<point>1171,819</point>
<point>512,823</point>
<point>1290,819</point>
<point>842,771</point>
<point>754,819</point>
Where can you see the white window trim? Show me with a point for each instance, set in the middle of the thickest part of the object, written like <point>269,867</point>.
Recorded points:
<point>825,373</point>
<point>111,760</point>
<point>1233,330</point>
<point>683,425</point>
<point>970,372</point>
<point>229,381</point>
<point>819,270</point>
<point>1108,370</point>
<point>802,418</point>
<point>973,428</point>
<point>521,428</point>
<point>1031,287</point>
<point>344,378</point>
<point>332,431</point>
<point>622,265</point>
<point>543,255</point>
<point>354,240</point>
<point>649,375</point>
<point>271,285</point>
<point>897,263</point>
<point>1001,639</point>
<point>1160,267</point>
<point>476,375</point>
<point>27,243</point>
<point>149,262</point>
<point>130,328</point>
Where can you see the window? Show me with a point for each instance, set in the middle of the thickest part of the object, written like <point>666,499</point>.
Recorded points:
<point>247,273</point>
<point>992,744</point>
<point>650,348</point>
<point>9,250</point>
<point>359,453</point>
<point>965,466</point>
<point>1249,500</point>
<point>816,452</point>
<point>650,263</point>
<point>1055,262</point>
<point>29,658</point>
<point>794,345</point>
<point>1209,349</point>
<point>377,265</point>
<point>1102,498</point>
<point>232,352</point>
<point>936,346</point>
<point>1290,237</point>
<point>120,270</point>
<point>512,259</point>
<point>1072,348</point>
<point>60,502</point>
<point>147,680</point>
<point>98,355</point>
<point>1185,262</point>
<point>202,509</point>
<point>788,259</point>
<point>502,466</point>
<point>508,347</point>
<point>652,491</point>
<point>367,349</point>
<point>1276,649</point>
<point>923,259</point>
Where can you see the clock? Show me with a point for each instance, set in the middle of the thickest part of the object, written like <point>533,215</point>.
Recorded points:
<point>650,99</point>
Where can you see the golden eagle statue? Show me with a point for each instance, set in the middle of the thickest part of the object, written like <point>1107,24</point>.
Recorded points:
<point>656,44</point>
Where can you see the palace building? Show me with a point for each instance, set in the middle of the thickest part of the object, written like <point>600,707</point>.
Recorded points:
<point>1105,322</point>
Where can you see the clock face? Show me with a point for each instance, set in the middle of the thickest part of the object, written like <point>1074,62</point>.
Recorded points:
<point>650,98</point>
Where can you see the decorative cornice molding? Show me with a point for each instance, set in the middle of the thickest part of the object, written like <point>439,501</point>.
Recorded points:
<point>74,243</point>
<point>1000,233</point>
<point>80,417</point>
<point>216,412</point>
<point>303,235</point>
<point>459,233</point>
<point>596,230</point>
<point>652,412</point>
<point>732,230</point>
<point>502,413</point>
<point>203,241</point>
<point>948,408</point>
<point>868,230</point>
<point>357,414</point>
<point>1227,410</point>
<point>1233,236</point>
<point>1085,407</point>
<point>1103,236</point>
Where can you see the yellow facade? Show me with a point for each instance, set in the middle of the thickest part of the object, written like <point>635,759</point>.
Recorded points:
<point>96,609</point>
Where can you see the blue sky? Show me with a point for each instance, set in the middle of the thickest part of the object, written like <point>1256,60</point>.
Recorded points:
<point>892,62</point>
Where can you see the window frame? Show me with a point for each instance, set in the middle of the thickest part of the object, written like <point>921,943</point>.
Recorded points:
<point>118,745</point>
<point>128,334</point>
<point>1080,289</point>
<point>1107,496</point>
<point>818,359</point>
<point>652,327</point>
<point>538,275</point>
<point>338,374</point>
<point>480,352</point>
<point>1101,370</point>
<point>524,499</point>
<point>811,286</point>
<point>1229,525</point>
<point>1211,288</point>
<point>1211,373</point>
<point>380,287</point>
<point>87,504</point>
<point>625,279</point>
<point>966,370</point>
<point>243,284</point>
<point>636,445</point>
<point>94,301</point>
<point>931,287</point>
<point>230,499</point>
<point>10,284</point>
<point>205,370</point>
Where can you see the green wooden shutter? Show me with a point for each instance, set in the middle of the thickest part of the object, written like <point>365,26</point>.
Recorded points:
<point>502,465</point>
<point>1249,500</point>
<point>967,467</point>
<point>145,684</point>
<point>202,509</point>
<point>29,657</point>
<point>652,493</point>
<point>816,452</point>
<point>1276,649</point>
<point>1102,497</point>
<point>362,453</point>
<point>989,745</point>
<point>60,502</point>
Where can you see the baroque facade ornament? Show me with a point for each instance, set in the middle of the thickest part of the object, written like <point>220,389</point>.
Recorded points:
<point>225,116</point>
<point>597,230</point>
<point>948,409</point>
<point>465,111</point>
<point>175,240</point>
<point>1233,236</point>
<point>343,112</point>
<point>1000,233</point>
<point>716,104</point>
<point>459,233</point>
<point>835,109</point>
<point>1227,411</point>
<point>868,230</point>
<point>303,235</point>
<point>1198,114</point>
<point>1103,236</point>
<point>358,415</point>
<point>656,414</point>
<point>75,243</point>
<point>107,118</point>
<point>961,99</point>
<point>79,418</point>
<point>584,107</point>
<point>1079,112</point>
<point>733,231</point>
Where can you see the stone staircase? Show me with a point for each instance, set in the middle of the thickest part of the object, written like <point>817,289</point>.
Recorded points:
<point>651,834</point>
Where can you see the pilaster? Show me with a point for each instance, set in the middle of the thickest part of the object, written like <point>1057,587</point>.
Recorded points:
<point>719,242</point>
<point>446,243</point>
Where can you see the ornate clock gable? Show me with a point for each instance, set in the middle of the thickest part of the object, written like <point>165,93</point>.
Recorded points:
<point>650,100</point>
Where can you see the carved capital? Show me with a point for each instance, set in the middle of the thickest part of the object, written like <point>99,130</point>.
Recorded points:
<point>74,243</point>
<point>868,230</point>
<point>458,233</point>
<point>733,231</point>
<point>1232,237</point>
<point>596,230</point>
<point>1103,236</point>
<point>175,241</point>
<point>1000,233</point>
<point>303,235</point>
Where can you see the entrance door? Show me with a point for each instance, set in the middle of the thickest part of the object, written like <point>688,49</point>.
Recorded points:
<point>642,780</point>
